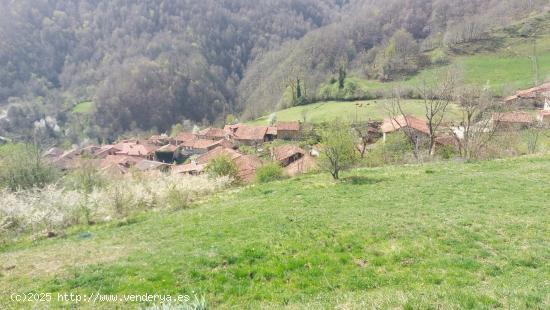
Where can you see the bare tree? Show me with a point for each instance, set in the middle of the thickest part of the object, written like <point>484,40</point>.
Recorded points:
<point>436,101</point>
<point>533,135</point>
<point>394,108</point>
<point>477,126</point>
<point>368,133</point>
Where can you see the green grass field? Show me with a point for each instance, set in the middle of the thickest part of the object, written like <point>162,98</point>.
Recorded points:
<point>85,107</point>
<point>348,111</point>
<point>446,236</point>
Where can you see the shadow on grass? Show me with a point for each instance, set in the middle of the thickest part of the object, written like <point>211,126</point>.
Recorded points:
<point>359,180</point>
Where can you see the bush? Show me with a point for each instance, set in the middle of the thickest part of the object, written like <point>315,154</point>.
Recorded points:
<point>55,208</point>
<point>22,167</point>
<point>393,151</point>
<point>85,178</point>
<point>176,198</point>
<point>439,57</point>
<point>222,166</point>
<point>269,172</point>
<point>447,152</point>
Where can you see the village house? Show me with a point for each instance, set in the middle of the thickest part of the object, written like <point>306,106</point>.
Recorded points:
<point>212,133</point>
<point>118,164</point>
<point>184,137</point>
<point>167,154</point>
<point>160,140</point>
<point>512,120</point>
<point>89,151</point>
<point>250,135</point>
<point>288,130</point>
<point>136,149</point>
<point>188,169</point>
<point>197,147</point>
<point>150,165</point>
<point>217,152</point>
<point>271,133</point>
<point>107,150</point>
<point>247,166</point>
<point>287,154</point>
<point>231,129</point>
<point>67,160</point>
<point>534,96</point>
<point>419,128</point>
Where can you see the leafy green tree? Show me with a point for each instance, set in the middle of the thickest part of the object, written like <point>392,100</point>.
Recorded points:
<point>223,166</point>
<point>272,119</point>
<point>338,151</point>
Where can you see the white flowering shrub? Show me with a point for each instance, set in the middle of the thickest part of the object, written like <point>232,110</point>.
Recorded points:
<point>53,208</point>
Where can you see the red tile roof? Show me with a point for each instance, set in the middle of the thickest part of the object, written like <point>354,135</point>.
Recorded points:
<point>288,126</point>
<point>271,130</point>
<point>531,92</point>
<point>148,165</point>
<point>106,149</point>
<point>185,136</point>
<point>168,148</point>
<point>188,168</point>
<point>232,128</point>
<point>159,139</point>
<point>122,160</point>
<point>225,143</point>
<point>218,151</point>
<point>394,124</point>
<point>199,144</point>
<point>284,152</point>
<point>251,133</point>
<point>247,165</point>
<point>212,133</point>
<point>513,117</point>
<point>135,149</point>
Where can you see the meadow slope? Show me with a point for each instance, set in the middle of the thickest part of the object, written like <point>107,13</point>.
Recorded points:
<point>352,111</point>
<point>447,235</point>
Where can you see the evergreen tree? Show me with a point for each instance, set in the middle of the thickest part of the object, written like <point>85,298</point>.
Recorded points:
<point>341,77</point>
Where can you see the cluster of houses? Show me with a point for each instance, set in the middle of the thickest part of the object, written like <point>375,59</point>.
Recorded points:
<point>196,150</point>
<point>536,97</point>
<point>190,153</point>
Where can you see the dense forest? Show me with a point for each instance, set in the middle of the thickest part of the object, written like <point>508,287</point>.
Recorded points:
<point>147,65</point>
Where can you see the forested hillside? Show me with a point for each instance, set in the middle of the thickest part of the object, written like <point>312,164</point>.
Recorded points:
<point>146,65</point>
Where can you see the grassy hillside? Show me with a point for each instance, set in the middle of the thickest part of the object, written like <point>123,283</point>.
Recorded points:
<point>506,68</point>
<point>348,110</point>
<point>434,236</point>
<point>502,62</point>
